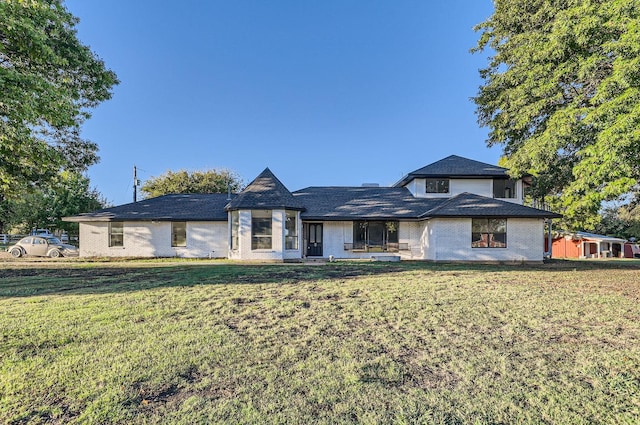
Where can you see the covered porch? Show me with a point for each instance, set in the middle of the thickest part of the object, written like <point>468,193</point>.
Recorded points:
<point>600,246</point>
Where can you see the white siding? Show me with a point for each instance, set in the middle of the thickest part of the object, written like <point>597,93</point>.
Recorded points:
<point>416,187</point>
<point>449,239</point>
<point>483,187</point>
<point>151,239</point>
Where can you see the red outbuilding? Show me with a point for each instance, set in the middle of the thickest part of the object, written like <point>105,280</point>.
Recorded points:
<point>589,245</point>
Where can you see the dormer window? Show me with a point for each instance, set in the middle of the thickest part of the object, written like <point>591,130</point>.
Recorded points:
<point>437,185</point>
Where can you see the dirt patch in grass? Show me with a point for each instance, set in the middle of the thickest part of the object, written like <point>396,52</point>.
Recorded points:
<point>158,342</point>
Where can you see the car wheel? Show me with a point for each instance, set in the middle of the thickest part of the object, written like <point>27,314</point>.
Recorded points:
<point>54,253</point>
<point>16,252</point>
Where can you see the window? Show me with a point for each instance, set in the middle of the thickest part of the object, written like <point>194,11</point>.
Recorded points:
<point>116,234</point>
<point>375,235</point>
<point>291,230</point>
<point>437,185</point>
<point>504,188</point>
<point>179,233</point>
<point>235,228</point>
<point>261,229</point>
<point>489,233</point>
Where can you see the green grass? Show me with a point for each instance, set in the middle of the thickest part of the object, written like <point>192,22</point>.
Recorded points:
<point>212,342</point>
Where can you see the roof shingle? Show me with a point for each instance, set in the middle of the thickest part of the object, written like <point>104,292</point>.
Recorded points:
<point>265,192</point>
<point>182,207</point>
<point>455,166</point>
<point>471,205</point>
<point>360,203</point>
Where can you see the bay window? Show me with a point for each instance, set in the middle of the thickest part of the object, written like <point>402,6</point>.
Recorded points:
<point>291,230</point>
<point>235,228</point>
<point>261,229</point>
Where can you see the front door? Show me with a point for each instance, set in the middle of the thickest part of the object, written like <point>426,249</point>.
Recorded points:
<point>314,240</point>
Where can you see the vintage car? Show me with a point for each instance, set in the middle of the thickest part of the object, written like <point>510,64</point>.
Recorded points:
<point>42,246</point>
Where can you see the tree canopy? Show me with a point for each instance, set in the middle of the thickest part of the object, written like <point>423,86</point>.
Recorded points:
<point>68,194</point>
<point>48,82</point>
<point>209,181</point>
<point>622,221</point>
<point>561,94</point>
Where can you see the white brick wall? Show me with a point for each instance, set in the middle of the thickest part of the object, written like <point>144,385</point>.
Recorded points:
<point>450,239</point>
<point>436,239</point>
<point>153,239</point>
<point>337,233</point>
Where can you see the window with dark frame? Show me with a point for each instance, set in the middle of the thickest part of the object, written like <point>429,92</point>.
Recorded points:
<point>178,233</point>
<point>437,186</point>
<point>261,229</point>
<point>381,235</point>
<point>488,233</point>
<point>504,188</point>
<point>116,234</point>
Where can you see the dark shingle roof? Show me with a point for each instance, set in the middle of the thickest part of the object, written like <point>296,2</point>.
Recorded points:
<point>470,205</point>
<point>183,207</point>
<point>317,203</point>
<point>456,166</point>
<point>265,192</point>
<point>355,203</point>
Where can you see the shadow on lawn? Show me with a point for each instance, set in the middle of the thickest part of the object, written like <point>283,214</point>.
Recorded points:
<point>42,279</point>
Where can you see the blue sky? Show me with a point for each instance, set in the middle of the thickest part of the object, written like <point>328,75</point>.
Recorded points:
<point>324,93</point>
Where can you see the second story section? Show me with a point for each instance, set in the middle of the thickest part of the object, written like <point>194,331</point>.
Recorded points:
<point>454,175</point>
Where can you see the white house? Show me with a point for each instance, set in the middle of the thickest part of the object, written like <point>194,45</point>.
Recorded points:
<point>455,209</point>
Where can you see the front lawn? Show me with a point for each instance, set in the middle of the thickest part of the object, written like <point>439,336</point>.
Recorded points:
<point>206,342</point>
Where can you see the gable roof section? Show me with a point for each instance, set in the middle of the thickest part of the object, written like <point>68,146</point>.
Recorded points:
<point>362,203</point>
<point>470,205</point>
<point>265,192</point>
<point>456,166</point>
<point>182,207</point>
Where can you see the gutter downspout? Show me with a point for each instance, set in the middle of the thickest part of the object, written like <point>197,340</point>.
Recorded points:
<point>548,252</point>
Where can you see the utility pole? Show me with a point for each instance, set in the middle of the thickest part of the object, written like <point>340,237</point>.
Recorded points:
<point>135,184</point>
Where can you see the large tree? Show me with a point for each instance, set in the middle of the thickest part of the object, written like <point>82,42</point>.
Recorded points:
<point>621,220</point>
<point>209,181</point>
<point>49,81</point>
<point>561,94</point>
<point>67,194</point>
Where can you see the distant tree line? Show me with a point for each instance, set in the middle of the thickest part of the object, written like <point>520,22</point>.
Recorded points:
<point>183,181</point>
